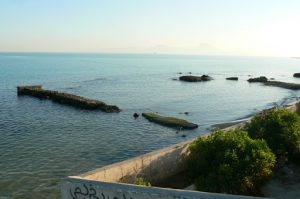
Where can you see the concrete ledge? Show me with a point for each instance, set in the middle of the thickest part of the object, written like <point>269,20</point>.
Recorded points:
<point>74,187</point>
<point>169,121</point>
<point>152,167</point>
<point>66,98</point>
<point>292,86</point>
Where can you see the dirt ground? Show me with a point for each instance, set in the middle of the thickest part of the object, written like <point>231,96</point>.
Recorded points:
<point>285,184</point>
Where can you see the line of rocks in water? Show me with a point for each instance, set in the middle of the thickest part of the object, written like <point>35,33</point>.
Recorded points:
<point>66,98</point>
<point>261,79</point>
<point>85,103</point>
<point>265,81</point>
<point>179,123</point>
<point>203,78</point>
<point>286,85</point>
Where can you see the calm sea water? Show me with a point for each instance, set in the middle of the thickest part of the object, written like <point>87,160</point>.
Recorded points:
<point>42,142</point>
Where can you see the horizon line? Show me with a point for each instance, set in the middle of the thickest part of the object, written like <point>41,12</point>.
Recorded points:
<point>143,53</point>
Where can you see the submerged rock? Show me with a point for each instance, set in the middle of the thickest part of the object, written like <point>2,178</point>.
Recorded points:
<point>258,79</point>
<point>191,78</point>
<point>232,78</point>
<point>296,75</point>
<point>66,98</point>
<point>169,121</point>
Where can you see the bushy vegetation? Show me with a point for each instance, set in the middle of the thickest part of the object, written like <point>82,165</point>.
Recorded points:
<point>230,162</point>
<point>140,181</point>
<point>281,130</point>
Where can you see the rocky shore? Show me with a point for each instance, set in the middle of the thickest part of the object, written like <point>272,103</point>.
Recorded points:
<point>66,98</point>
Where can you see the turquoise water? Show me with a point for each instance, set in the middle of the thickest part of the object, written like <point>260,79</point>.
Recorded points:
<point>42,142</point>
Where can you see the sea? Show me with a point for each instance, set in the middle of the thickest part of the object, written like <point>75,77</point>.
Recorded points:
<point>42,142</point>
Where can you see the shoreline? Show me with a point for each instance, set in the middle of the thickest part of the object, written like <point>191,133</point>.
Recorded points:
<point>164,165</point>
<point>285,102</point>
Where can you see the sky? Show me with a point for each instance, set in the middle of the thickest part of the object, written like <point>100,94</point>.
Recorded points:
<point>208,27</point>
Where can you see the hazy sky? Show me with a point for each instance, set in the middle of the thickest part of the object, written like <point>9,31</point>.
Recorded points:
<point>227,27</point>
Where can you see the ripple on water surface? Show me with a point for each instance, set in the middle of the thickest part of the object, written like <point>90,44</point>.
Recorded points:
<point>42,142</point>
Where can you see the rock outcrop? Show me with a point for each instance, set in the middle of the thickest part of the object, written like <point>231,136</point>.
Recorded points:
<point>258,79</point>
<point>191,78</point>
<point>296,75</point>
<point>232,78</point>
<point>136,115</point>
<point>169,121</point>
<point>66,98</point>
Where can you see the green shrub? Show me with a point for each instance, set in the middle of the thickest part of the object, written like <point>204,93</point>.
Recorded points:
<point>281,130</point>
<point>142,182</point>
<point>230,162</point>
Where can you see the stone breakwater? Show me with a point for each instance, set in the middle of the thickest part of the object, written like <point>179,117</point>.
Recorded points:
<point>265,81</point>
<point>286,85</point>
<point>66,98</point>
<point>169,121</point>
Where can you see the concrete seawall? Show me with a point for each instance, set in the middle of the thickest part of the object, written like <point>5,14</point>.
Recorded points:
<point>78,188</point>
<point>152,167</point>
<point>116,181</point>
<point>66,98</point>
